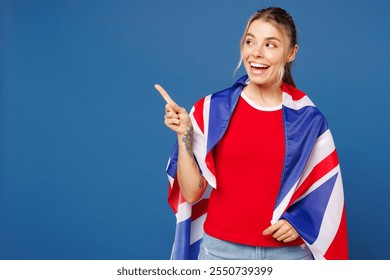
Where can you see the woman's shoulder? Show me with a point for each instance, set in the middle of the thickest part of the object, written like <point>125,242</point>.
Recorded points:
<point>298,101</point>
<point>296,98</point>
<point>219,96</point>
<point>225,94</point>
<point>295,93</point>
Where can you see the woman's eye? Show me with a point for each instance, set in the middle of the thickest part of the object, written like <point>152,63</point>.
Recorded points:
<point>249,42</point>
<point>271,45</point>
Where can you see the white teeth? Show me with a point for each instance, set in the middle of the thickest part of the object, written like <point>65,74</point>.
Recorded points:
<point>259,65</point>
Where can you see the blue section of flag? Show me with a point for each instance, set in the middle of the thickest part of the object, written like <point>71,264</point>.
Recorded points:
<point>182,250</point>
<point>172,166</point>
<point>223,104</point>
<point>306,215</point>
<point>302,128</point>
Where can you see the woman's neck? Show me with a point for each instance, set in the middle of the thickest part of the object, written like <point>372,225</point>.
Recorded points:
<point>264,96</point>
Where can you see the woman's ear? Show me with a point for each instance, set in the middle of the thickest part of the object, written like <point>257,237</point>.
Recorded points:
<point>293,53</point>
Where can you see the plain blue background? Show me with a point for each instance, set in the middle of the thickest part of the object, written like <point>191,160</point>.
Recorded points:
<point>83,147</point>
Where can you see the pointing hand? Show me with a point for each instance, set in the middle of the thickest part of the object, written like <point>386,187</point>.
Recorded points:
<point>176,117</point>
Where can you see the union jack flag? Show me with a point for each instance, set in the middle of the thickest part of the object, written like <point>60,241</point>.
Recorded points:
<point>311,195</point>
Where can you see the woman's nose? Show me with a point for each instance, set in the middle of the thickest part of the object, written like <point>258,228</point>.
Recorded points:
<point>258,52</point>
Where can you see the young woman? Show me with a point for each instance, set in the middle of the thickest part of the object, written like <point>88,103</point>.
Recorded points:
<point>255,174</point>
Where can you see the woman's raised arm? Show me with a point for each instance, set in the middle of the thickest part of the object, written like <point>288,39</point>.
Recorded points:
<point>191,181</point>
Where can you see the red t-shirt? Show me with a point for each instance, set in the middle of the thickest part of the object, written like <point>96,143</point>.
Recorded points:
<point>248,162</point>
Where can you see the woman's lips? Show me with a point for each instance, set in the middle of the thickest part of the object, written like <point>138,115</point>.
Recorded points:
<point>258,68</point>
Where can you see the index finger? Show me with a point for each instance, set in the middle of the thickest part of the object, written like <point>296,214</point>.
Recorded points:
<point>164,94</point>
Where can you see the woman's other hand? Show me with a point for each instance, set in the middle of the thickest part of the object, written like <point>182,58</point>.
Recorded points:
<point>282,230</point>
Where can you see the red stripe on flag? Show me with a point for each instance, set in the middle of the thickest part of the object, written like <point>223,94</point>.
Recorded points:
<point>210,162</point>
<point>295,93</point>
<point>175,197</point>
<point>320,170</point>
<point>198,114</point>
<point>199,209</point>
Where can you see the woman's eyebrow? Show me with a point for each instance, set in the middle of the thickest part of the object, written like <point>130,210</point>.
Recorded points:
<point>250,34</point>
<point>266,39</point>
<point>272,38</point>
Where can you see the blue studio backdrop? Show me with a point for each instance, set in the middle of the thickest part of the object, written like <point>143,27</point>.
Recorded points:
<point>83,146</point>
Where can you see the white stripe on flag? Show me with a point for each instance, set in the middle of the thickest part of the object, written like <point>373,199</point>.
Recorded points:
<point>332,216</point>
<point>183,212</point>
<point>199,143</point>
<point>197,229</point>
<point>323,147</point>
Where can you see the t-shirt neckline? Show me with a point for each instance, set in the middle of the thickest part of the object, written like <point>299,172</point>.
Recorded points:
<point>259,107</point>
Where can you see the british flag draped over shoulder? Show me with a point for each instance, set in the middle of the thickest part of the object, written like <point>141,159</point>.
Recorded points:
<point>311,195</point>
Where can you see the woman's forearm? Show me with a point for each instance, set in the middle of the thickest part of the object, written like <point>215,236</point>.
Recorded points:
<point>188,174</point>
<point>190,179</point>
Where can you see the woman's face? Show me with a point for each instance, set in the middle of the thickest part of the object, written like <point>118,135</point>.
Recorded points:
<point>265,51</point>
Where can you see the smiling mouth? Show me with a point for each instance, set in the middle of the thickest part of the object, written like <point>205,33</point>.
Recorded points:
<point>258,68</point>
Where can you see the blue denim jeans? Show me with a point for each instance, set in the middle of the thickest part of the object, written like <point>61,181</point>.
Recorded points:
<point>215,249</point>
